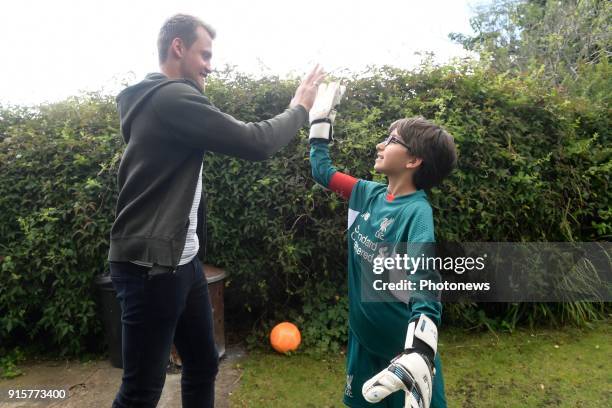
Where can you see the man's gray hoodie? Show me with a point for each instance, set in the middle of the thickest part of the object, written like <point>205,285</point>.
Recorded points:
<point>168,125</point>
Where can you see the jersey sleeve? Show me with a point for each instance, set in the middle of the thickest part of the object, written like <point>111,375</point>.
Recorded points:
<point>421,241</point>
<point>326,174</point>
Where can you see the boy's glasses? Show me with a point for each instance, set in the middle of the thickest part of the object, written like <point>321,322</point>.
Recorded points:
<point>392,139</point>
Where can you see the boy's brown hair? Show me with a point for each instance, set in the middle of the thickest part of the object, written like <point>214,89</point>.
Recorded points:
<point>430,143</point>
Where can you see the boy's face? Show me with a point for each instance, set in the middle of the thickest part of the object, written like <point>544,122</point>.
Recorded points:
<point>392,157</point>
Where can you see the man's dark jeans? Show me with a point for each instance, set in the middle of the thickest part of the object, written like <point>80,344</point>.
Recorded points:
<point>157,308</point>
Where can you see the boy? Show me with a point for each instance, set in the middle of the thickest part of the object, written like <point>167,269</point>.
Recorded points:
<point>416,156</point>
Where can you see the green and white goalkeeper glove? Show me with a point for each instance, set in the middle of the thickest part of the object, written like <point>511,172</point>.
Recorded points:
<point>411,371</point>
<point>322,114</point>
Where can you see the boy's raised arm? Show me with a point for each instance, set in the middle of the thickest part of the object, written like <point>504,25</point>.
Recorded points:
<point>321,117</point>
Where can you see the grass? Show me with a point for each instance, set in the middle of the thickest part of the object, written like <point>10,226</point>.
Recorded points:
<point>568,367</point>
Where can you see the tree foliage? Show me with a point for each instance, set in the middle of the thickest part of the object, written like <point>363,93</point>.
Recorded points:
<point>565,38</point>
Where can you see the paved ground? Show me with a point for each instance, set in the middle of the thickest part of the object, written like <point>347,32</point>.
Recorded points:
<point>95,383</point>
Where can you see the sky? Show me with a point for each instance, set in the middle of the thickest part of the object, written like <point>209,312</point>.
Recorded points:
<point>59,48</point>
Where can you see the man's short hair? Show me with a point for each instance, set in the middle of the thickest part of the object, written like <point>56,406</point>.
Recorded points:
<point>430,143</point>
<point>181,26</point>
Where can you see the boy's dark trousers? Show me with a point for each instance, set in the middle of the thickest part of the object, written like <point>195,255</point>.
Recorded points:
<point>159,306</point>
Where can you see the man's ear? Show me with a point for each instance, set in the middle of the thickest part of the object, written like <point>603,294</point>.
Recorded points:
<point>413,162</point>
<point>177,48</point>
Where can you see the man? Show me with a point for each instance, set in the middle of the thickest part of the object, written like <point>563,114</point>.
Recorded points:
<point>168,124</point>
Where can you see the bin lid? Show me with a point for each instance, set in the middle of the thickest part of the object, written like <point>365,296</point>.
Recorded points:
<point>213,274</point>
<point>103,279</point>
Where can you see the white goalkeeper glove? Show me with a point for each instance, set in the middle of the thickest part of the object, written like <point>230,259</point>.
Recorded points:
<point>411,371</point>
<point>322,114</point>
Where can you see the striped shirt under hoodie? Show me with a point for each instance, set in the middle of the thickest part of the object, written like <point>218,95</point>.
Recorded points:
<point>192,244</point>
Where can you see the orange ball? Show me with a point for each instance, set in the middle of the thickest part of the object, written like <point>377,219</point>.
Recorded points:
<point>285,337</point>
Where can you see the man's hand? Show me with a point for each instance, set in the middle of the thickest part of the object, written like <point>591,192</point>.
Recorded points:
<point>307,91</point>
<point>322,114</point>
<point>411,371</point>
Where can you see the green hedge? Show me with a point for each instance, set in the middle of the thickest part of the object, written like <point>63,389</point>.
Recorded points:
<point>534,166</point>
<point>57,197</point>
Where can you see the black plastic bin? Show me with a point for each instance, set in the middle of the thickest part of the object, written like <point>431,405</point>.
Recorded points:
<point>110,311</point>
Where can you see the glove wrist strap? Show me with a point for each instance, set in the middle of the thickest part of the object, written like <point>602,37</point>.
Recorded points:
<point>322,120</point>
<point>422,337</point>
<point>321,129</point>
<point>423,350</point>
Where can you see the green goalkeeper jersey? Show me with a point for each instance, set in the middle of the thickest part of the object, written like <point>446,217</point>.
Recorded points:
<point>379,225</point>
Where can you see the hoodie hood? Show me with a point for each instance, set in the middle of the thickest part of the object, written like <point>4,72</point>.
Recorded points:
<point>131,99</point>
